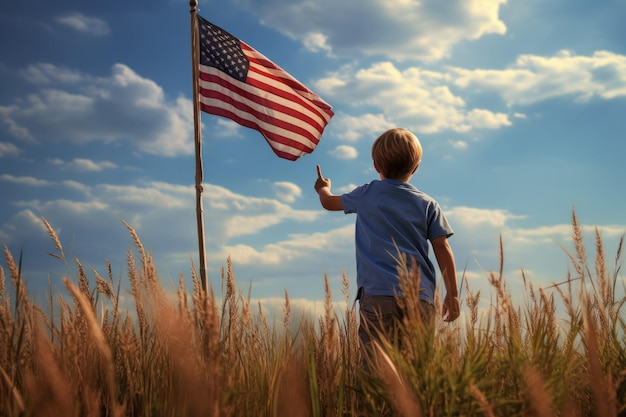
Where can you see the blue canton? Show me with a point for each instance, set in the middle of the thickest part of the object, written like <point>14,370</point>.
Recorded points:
<point>219,49</point>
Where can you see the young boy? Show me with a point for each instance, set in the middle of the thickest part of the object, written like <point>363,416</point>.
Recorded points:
<point>392,216</point>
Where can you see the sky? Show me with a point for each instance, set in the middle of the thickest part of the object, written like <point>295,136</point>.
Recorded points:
<point>520,107</point>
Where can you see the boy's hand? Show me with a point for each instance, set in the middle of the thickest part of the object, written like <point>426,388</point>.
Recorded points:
<point>329,200</point>
<point>451,308</point>
<point>321,182</point>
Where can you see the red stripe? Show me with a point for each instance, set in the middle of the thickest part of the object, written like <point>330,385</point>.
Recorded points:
<point>269,136</point>
<point>263,105</point>
<point>296,98</point>
<point>259,115</point>
<point>263,102</point>
<point>262,62</point>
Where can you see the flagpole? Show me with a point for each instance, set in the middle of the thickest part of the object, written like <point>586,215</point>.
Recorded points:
<point>193,4</point>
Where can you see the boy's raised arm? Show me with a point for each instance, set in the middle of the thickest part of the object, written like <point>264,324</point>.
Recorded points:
<point>328,200</point>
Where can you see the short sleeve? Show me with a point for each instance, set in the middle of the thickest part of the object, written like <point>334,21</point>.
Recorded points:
<point>437,223</point>
<point>350,201</point>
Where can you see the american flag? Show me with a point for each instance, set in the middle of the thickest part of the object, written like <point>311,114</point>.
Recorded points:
<point>241,84</point>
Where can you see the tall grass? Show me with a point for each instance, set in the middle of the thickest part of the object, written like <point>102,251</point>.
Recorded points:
<point>193,353</point>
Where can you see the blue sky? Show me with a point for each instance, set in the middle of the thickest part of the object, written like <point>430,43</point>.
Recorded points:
<point>520,107</point>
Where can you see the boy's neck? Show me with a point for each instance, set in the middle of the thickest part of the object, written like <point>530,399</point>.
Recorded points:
<point>403,179</point>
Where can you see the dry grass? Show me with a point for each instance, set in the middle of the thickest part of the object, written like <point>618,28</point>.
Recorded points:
<point>192,353</point>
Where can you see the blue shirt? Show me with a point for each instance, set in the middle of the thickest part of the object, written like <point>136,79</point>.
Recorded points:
<point>393,215</point>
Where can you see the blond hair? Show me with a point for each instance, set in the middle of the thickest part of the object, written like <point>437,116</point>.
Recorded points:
<point>397,153</point>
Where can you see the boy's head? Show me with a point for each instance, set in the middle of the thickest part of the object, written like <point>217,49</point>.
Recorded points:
<point>397,154</point>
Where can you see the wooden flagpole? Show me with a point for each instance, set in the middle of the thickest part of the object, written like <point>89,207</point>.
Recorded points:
<point>193,4</point>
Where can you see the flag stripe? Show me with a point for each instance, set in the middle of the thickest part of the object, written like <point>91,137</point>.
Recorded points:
<point>213,82</point>
<point>271,86</point>
<point>281,145</point>
<point>273,71</point>
<point>224,92</point>
<point>263,97</point>
<point>274,129</point>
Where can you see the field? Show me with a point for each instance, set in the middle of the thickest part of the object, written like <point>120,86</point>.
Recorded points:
<point>196,353</point>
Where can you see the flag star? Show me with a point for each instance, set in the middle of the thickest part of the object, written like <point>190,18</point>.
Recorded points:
<point>222,51</point>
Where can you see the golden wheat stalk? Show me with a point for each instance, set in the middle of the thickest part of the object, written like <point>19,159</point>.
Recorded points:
<point>99,340</point>
<point>400,392</point>
<point>19,402</point>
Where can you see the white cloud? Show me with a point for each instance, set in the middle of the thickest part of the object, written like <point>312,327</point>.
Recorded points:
<point>46,73</point>
<point>562,232</point>
<point>70,208</point>
<point>84,24</point>
<point>422,100</point>
<point>23,221</point>
<point>298,246</point>
<point>29,181</point>
<point>234,215</point>
<point>287,191</point>
<point>458,144</point>
<point>344,152</point>
<point>532,78</point>
<point>485,119</point>
<point>165,195</point>
<point>75,185</point>
<point>352,128</point>
<point>414,98</point>
<point>424,30</point>
<point>472,217</point>
<point>86,165</point>
<point>8,149</point>
<point>346,188</point>
<point>317,42</point>
<point>225,128</point>
<point>79,108</point>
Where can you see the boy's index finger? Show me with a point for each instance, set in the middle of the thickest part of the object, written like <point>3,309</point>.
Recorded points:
<point>319,172</point>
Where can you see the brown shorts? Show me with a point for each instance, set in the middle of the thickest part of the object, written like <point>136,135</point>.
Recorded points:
<point>380,315</point>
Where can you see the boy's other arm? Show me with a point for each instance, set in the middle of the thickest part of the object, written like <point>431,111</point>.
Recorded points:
<point>328,200</point>
<point>445,259</point>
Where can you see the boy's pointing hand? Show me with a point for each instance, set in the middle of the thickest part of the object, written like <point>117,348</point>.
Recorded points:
<point>321,182</point>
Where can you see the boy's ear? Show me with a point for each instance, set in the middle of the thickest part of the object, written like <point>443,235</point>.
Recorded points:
<point>376,167</point>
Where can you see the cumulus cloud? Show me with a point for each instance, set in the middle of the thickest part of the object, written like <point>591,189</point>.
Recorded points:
<point>418,99</point>
<point>287,191</point>
<point>352,128</point>
<point>429,101</point>
<point>83,165</point>
<point>24,180</point>
<point>166,195</point>
<point>316,42</point>
<point>346,188</point>
<point>476,218</point>
<point>424,30</point>
<point>85,24</point>
<point>532,78</point>
<point>78,186</point>
<point>296,247</point>
<point>78,108</point>
<point>344,152</point>
<point>8,149</point>
<point>225,128</point>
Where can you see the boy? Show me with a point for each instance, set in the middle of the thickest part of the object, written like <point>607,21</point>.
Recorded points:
<point>392,216</point>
